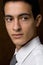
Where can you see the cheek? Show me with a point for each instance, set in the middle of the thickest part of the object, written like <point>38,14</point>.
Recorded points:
<point>28,29</point>
<point>8,27</point>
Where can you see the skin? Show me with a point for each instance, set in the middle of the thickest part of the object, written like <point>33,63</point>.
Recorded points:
<point>20,23</point>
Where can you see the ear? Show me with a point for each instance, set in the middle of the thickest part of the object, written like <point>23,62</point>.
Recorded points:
<point>38,20</point>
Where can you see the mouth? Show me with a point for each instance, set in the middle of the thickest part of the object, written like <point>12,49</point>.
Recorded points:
<point>17,36</point>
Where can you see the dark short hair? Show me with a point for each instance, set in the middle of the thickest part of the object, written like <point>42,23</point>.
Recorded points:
<point>33,3</point>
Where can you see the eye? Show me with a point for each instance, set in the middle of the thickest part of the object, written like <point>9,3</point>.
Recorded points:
<point>8,19</point>
<point>24,18</point>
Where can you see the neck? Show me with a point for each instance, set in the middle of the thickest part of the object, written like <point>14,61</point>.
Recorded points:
<point>18,46</point>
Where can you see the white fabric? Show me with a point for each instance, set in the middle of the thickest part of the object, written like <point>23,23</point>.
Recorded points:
<point>31,53</point>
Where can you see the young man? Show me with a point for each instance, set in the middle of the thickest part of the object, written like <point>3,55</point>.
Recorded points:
<point>22,18</point>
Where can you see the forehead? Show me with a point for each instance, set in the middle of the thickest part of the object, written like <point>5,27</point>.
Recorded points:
<point>17,8</point>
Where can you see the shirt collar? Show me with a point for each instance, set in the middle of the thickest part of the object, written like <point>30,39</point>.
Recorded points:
<point>27,49</point>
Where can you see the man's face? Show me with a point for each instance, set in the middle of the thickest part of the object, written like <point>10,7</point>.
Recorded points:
<point>19,22</point>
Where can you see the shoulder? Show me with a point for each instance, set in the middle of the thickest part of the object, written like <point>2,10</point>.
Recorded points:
<point>38,50</point>
<point>38,55</point>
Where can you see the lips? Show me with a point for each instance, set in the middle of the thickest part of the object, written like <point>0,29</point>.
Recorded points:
<point>17,36</point>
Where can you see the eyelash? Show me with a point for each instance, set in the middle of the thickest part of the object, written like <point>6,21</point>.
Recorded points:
<point>25,18</point>
<point>8,19</point>
<point>21,18</point>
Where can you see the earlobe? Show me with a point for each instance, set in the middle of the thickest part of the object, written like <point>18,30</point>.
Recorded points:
<point>38,20</point>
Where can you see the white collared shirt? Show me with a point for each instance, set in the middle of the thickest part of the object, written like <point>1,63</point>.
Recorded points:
<point>31,53</point>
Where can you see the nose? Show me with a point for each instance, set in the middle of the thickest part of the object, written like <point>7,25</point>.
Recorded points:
<point>16,25</point>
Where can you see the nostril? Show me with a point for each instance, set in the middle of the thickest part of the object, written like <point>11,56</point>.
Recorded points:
<point>19,29</point>
<point>16,27</point>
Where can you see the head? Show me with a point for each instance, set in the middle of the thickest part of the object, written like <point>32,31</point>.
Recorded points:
<point>22,18</point>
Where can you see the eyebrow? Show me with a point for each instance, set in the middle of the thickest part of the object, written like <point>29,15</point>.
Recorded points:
<point>22,14</point>
<point>8,16</point>
<point>25,14</point>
